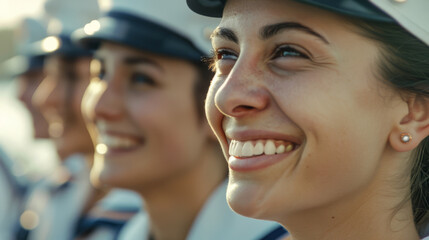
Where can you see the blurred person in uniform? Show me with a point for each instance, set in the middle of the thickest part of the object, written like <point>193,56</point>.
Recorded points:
<point>13,191</point>
<point>27,69</point>
<point>146,106</point>
<point>66,205</point>
<point>55,205</point>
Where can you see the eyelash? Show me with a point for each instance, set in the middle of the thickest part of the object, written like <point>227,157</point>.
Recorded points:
<point>281,48</point>
<point>217,55</point>
<point>101,73</point>
<point>134,78</point>
<point>137,76</point>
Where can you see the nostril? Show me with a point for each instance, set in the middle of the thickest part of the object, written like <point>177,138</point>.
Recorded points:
<point>243,108</point>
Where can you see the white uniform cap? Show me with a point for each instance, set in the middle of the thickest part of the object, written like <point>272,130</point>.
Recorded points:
<point>413,15</point>
<point>65,16</point>
<point>28,31</point>
<point>173,14</point>
<point>165,27</point>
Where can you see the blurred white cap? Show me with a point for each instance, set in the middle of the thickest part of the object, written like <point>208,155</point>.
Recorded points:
<point>65,16</point>
<point>28,31</point>
<point>165,27</point>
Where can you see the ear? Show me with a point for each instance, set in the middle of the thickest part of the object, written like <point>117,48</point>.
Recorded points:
<point>415,123</point>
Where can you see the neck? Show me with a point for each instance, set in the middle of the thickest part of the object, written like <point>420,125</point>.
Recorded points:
<point>376,211</point>
<point>367,221</point>
<point>174,204</point>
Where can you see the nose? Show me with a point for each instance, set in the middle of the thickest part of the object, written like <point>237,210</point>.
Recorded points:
<point>109,105</point>
<point>49,94</point>
<point>243,92</point>
<point>23,91</point>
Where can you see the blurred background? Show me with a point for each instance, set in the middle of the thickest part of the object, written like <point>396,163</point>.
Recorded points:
<point>30,157</point>
<point>16,133</point>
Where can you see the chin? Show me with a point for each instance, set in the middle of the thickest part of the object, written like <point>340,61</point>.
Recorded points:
<point>108,177</point>
<point>246,198</point>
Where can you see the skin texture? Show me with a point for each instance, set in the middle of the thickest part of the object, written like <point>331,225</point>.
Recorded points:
<point>27,85</point>
<point>315,86</point>
<point>59,98</point>
<point>161,147</point>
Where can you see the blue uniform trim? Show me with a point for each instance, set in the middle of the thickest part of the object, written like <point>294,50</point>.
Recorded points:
<point>87,224</point>
<point>275,234</point>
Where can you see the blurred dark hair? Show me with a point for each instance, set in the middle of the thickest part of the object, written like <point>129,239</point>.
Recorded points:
<point>404,64</point>
<point>201,86</point>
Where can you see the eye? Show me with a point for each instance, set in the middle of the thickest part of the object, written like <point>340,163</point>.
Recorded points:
<point>101,73</point>
<point>288,51</point>
<point>224,54</point>
<point>216,62</point>
<point>140,79</point>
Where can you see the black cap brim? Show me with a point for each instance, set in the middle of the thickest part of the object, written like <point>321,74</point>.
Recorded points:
<point>355,8</point>
<point>20,65</point>
<point>139,33</point>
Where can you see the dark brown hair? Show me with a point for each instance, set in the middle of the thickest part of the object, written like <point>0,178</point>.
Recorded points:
<point>404,64</point>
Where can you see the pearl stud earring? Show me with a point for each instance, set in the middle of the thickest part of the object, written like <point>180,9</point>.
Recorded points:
<point>405,137</point>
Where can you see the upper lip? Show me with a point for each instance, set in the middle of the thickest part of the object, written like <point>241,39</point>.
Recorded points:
<point>109,130</point>
<point>248,135</point>
<point>119,134</point>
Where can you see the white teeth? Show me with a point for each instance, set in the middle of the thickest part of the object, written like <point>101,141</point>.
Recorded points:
<point>247,150</point>
<point>259,148</point>
<point>270,147</point>
<point>289,148</point>
<point>281,149</point>
<point>117,142</point>
<point>238,148</point>
<point>267,147</point>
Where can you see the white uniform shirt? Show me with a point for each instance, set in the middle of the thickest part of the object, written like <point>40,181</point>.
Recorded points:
<point>116,207</point>
<point>215,221</point>
<point>57,203</point>
<point>10,197</point>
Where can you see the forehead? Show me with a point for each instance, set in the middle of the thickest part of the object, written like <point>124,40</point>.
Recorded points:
<point>247,17</point>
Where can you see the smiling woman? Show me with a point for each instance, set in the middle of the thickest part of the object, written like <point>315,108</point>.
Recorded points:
<point>321,110</point>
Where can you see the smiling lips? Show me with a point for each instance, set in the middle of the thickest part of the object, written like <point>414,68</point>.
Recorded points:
<point>119,142</point>
<point>259,147</point>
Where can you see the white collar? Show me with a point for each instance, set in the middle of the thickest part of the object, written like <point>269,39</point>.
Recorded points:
<point>215,221</point>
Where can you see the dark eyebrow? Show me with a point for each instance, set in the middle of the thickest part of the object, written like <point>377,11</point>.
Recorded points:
<point>271,30</point>
<point>224,33</point>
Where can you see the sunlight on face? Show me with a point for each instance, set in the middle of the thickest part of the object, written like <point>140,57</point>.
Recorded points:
<point>280,106</point>
<point>135,104</point>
